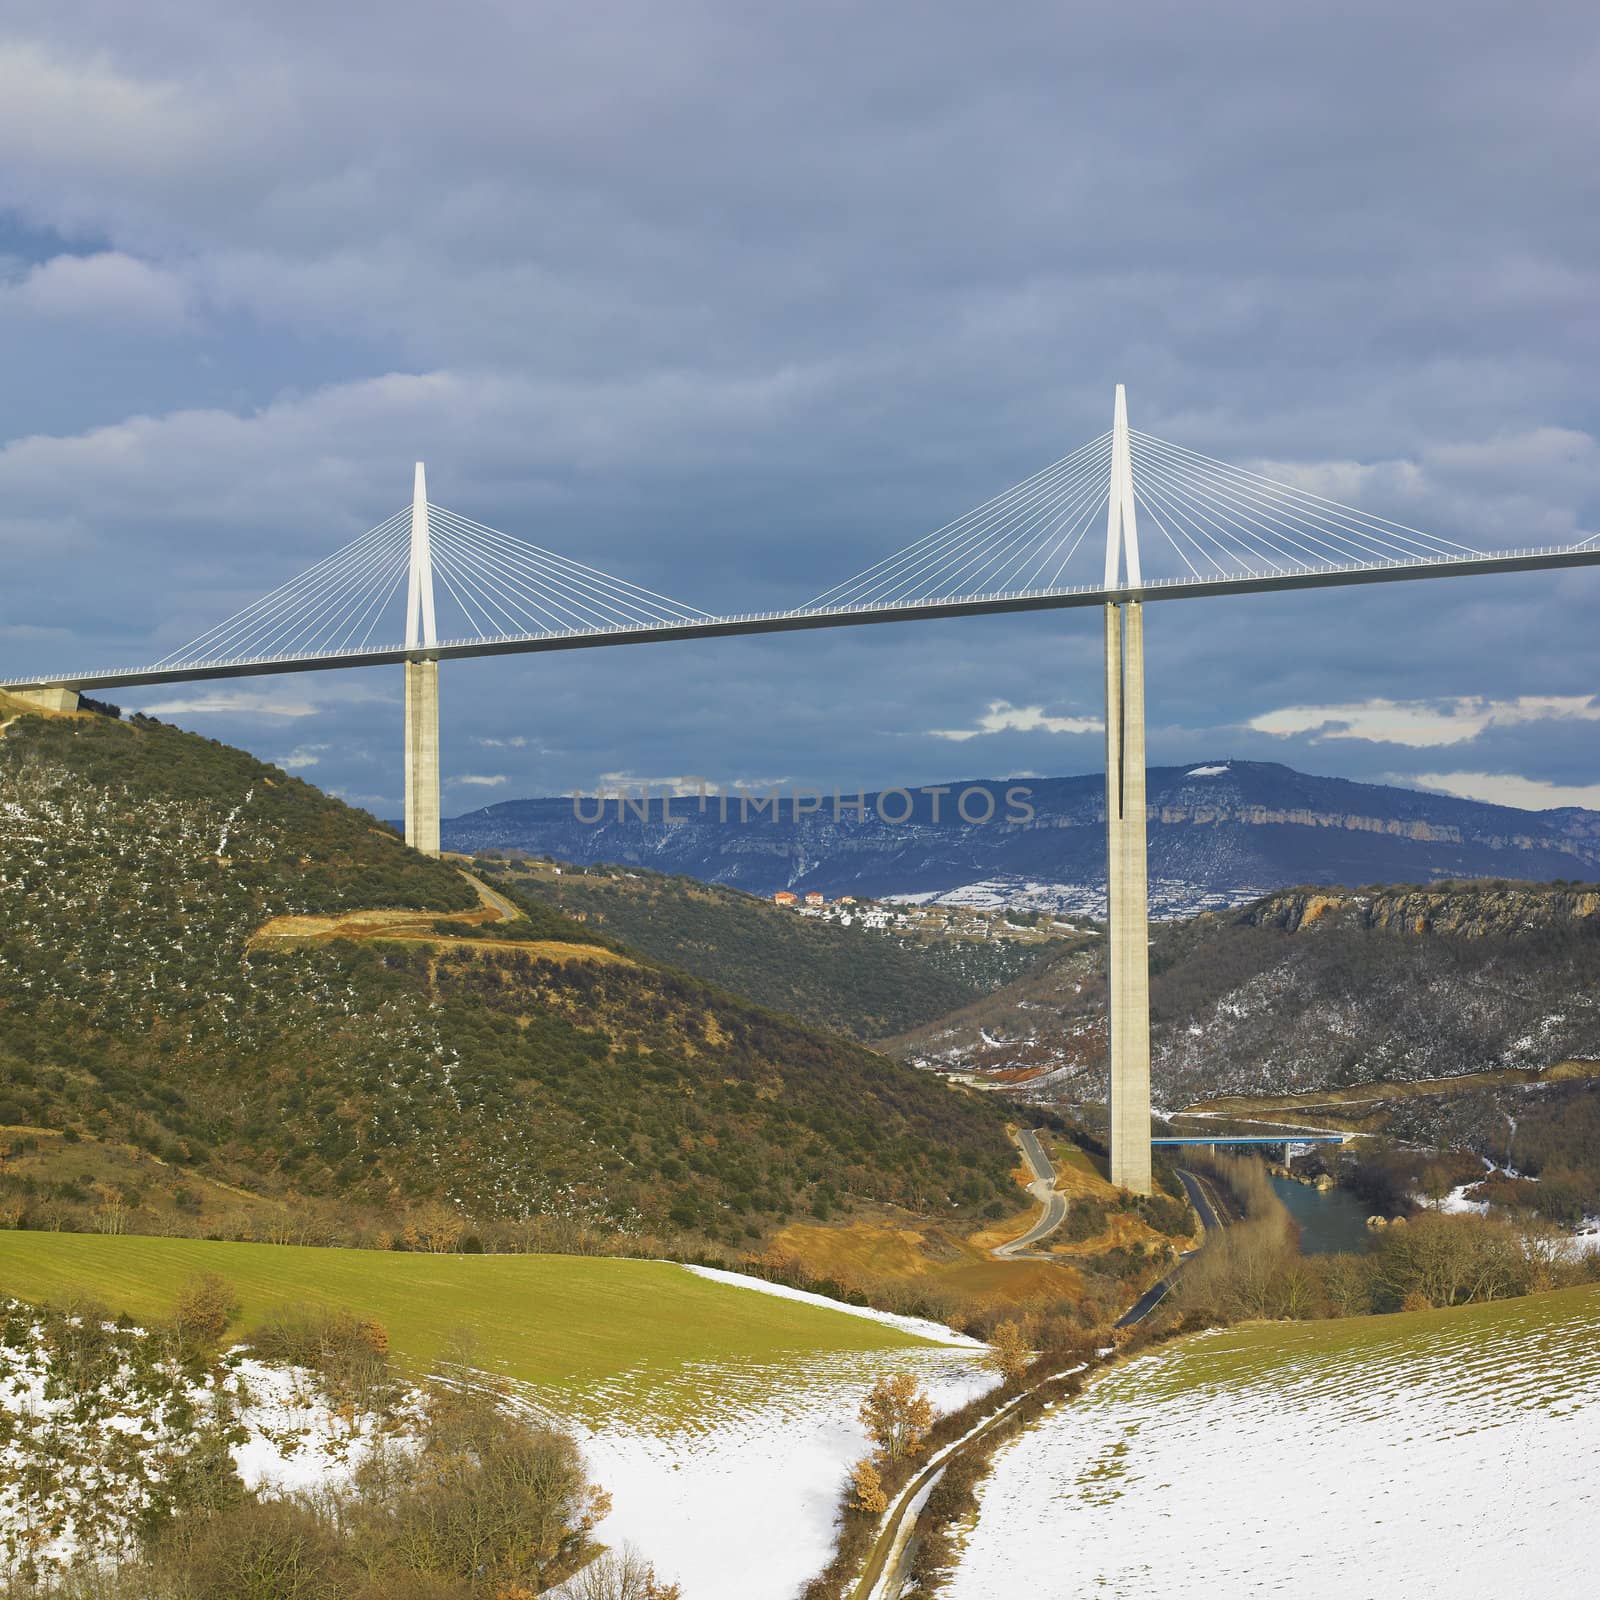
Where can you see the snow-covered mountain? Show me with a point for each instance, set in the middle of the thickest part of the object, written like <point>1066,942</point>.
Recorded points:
<point>1221,833</point>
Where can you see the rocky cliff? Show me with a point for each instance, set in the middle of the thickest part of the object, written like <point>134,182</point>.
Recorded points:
<point>1472,910</point>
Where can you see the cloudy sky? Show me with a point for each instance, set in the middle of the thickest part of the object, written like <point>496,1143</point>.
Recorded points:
<point>735,299</point>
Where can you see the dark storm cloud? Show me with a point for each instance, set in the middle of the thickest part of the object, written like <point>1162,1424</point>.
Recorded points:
<point>734,300</point>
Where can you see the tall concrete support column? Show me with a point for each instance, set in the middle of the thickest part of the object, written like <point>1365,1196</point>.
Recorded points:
<point>422,684</point>
<point>1129,902</point>
<point>1127,879</point>
<point>422,756</point>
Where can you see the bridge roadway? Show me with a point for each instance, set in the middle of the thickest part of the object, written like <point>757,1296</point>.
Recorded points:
<point>1533,560</point>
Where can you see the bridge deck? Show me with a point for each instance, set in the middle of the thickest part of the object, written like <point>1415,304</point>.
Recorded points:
<point>1531,560</point>
<point>1257,1138</point>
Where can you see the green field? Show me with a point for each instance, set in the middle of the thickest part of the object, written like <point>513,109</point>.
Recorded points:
<point>1446,1452</point>
<point>1551,1334</point>
<point>564,1322</point>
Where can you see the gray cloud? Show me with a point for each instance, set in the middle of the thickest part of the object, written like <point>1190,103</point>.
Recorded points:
<point>734,301</point>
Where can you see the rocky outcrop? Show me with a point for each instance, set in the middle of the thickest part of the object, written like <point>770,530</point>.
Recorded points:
<point>1466,911</point>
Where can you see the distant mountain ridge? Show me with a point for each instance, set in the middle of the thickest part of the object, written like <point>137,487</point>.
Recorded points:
<point>1221,832</point>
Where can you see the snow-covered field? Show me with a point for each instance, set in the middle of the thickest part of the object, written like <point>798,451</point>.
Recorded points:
<point>739,1505</point>
<point>1441,1453</point>
<point>728,1480</point>
<point>737,1502</point>
<point>920,1326</point>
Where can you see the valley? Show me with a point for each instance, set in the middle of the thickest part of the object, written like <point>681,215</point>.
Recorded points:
<point>610,1148</point>
<point>799,802</point>
<point>1462,1016</point>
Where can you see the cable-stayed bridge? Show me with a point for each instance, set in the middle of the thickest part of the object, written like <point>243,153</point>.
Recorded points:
<point>1210,529</point>
<point>428,584</point>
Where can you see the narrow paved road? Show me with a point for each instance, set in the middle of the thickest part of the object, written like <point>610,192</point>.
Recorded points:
<point>1043,1189</point>
<point>1199,1200</point>
<point>492,899</point>
<point>884,1573</point>
<point>1157,1292</point>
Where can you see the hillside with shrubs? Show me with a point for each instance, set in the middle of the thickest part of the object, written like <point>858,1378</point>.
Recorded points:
<point>1464,1015</point>
<point>160,1462</point>
<point>544,1073</point>
<point>853,980</point>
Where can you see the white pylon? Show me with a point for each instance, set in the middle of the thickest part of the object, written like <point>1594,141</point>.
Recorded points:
<point>422,684</point>
<point>1122,526</point>
<point>420,628</point>
<point>1127,868</point>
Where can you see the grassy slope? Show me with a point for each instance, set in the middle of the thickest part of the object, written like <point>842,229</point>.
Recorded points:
<point>561,1321</point>
<point>1336,1360</point>
<point>1439,1452</point>
<point>864,984</point>
<point>140,863</point>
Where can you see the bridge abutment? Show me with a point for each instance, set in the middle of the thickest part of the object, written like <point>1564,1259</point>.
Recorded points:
<point>51,699</point>
<point>422,756</point>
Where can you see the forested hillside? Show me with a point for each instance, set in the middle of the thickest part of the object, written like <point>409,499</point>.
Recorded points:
<point>851,980</point>
<point>537,1072</point>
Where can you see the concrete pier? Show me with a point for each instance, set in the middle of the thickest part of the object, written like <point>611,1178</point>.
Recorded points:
<point>422,756</point>
<point>1129,899</point>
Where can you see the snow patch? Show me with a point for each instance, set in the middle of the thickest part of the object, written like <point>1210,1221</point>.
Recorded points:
<point>297,1440</point>
<point>921,1326</point>
<point>742,1507</point>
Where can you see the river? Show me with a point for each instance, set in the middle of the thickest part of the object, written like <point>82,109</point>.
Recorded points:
<point>1330,1219</point>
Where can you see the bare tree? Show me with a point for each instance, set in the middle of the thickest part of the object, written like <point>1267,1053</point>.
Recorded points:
<point>897,1415</point>
<point>617,1575</point>
<point>867,1486</point>
<point>434,1227</point>
<point>205,1306</point>
<point>1009,1354</point>
<point>1347,1284</point>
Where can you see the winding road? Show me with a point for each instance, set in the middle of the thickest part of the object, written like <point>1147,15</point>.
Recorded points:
<point>1043,1189</point>
<point>884,1573</point>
